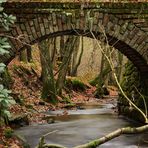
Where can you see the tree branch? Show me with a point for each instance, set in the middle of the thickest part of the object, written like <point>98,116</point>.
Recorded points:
<point>114,134</point>
<point>102,140</point>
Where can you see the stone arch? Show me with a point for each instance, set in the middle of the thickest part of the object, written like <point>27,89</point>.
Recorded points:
<point>123,35</point>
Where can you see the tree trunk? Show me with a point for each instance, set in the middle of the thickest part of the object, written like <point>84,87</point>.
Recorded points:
<point>53,51</point>
<point>77,60</point>
<point>120,68</point>
<point>68,48</point>
<point>114,134</point>
<point>49,87</point>
<point>62,45</point>
<point>101,70</point>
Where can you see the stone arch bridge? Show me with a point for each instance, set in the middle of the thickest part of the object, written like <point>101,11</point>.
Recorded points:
<point>125,25</point>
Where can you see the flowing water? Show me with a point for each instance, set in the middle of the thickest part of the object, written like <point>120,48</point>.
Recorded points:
<point>83,125</point>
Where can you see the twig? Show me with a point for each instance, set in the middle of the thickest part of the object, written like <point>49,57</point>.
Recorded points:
<point>145,105</point>
<point>50,133</point>
<point>116,79</point>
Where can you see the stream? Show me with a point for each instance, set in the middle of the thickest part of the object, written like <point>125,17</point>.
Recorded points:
<point>83,125</point>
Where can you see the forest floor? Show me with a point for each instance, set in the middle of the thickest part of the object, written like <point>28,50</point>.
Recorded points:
<point>26,90</point>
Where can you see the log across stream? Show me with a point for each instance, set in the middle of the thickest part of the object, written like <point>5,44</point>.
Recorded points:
<point>86,123</point>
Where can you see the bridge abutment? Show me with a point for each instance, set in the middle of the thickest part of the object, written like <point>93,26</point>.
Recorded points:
<point>135,86</point>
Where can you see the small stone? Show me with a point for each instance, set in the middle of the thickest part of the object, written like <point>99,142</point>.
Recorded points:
<point>41,103</point>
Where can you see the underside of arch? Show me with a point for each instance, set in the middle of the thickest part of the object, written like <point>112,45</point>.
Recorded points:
<point>125,49</point>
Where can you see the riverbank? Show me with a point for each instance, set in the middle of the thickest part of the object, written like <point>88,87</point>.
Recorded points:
<point>30,109</point>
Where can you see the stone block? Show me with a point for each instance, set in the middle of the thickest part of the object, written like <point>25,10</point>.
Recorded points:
<point>82,23</point>
<point>125,36</point>
<point>105,19</point>
<point>18,29</point>
<point>139,48</point>
<point>25,37</point>
<point>64,26</point>
<point>110,27</point>
<point>31,23</point>
<point>123,28</point>
<point>54,19</point>
<point>60,26</point>
<point>34,32</point>
<point>45,20</point>
<point>116,30</point>
<point>55,28</point>
<point>96,17</point>
<point>42,29</point>
<point>141,39</point>
<point>37,27</point>
<point>133,32</point>
<point>69,22</point>
<point>49,17</point>
<point>51,29</point>
<point>47,31</point>
<point>130,26</point>
<point>133,40</point>
<point>23,27</point>
<point>28,29</point>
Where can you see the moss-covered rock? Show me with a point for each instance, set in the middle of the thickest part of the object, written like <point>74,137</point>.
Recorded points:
<point>18,120</point>
<point>75,84</point>
<point>101,91</point>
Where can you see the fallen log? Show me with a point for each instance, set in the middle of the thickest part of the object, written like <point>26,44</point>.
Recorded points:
<point>97,142</point>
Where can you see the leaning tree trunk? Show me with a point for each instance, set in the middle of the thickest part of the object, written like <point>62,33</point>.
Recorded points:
<point>120,67</point>
<point>101,70</point>
<point>76,59</point>
<point>49,87</point>
<point>68,48</point>
<point>53,51</point>
<point>104,70</point>
<point>62,43</point>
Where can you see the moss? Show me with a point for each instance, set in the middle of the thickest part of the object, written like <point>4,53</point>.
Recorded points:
<point>8,133</point>
<point>100,92</point>
<point>94,82</point>
<point>132,114</point>
<point>66,99</point>
<point>75,84</point>
<point>6,79</point>
<point>49,95</point>
<point>22,140</point>
<point>29,106</point>
<point>132,79</point>
<point>69,105</point>
<point>78,85</point>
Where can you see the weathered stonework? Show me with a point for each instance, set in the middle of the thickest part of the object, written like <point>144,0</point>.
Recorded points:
<point>121,30</point>
<point>36,26</point>
<point>133,85</point>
